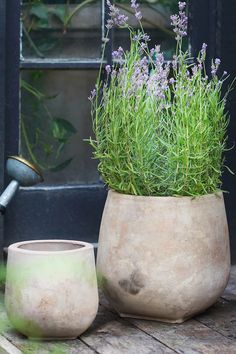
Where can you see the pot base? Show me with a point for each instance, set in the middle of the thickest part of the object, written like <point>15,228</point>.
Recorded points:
<point>180,320</point>
<point>51,338</point>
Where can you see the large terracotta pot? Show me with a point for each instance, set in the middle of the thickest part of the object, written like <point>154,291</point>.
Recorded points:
<point>51,288</point>
<point>163,258</point>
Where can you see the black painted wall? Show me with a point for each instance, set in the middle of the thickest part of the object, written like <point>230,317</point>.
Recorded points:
<point>228,55</point>
<point>214,22</point>
<point>2,108</point>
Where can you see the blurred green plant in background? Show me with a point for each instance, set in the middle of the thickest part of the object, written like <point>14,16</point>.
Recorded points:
<point>37,15</point>
<point>44,135</point>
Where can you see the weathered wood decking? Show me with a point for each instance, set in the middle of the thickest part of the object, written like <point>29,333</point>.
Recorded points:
<point>212,332</point>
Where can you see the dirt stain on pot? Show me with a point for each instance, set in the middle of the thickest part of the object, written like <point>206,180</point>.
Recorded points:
<point>134,284</point>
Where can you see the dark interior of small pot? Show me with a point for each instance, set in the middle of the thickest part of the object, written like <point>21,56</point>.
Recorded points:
<point>51,246</point>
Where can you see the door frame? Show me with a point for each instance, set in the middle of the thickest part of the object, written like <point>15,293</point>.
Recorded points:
<point>204,26</point>
<point>2,107</point>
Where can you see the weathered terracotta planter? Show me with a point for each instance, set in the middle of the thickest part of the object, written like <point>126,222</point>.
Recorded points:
<point>163,258</point>
<point>51,288</point>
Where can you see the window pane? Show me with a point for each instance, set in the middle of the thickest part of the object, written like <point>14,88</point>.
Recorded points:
<point>55,120</point>
<point>155,20</point>
<point>61,29</point>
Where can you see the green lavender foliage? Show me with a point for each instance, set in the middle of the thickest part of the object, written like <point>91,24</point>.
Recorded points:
<point>171,146</point>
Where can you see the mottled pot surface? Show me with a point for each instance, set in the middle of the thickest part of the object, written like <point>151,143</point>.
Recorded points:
<point>163,258</point>
<point>51,288</point>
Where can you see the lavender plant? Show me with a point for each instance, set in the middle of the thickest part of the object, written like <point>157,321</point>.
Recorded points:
<point>160,127</point>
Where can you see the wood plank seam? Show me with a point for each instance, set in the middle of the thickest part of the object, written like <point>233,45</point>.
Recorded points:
<point>213,329</point>
<point>121,320</point>
<point>225,299</point>
<point>150,335</point>
<point>6,347</point>
<point>89,346</point>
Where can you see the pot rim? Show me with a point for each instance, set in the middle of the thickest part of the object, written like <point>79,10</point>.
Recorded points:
<point>16,246</point>
<point>216,194</point>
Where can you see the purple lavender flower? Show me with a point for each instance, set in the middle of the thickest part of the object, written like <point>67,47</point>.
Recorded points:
<point>182,5</point>
<point>104,88</point>
<point>122,80</point>
<point>134,5</point>
<point>180,22</point>
<point>116,18</point>
<point>140,75</point>
<point>203,52</point>
<point>152,52</point>
<point>158,82</point>
<point>141,37</point>
<point>204,47</point>
<point>215,66</point>
<point>137,12</point>
<point>195,69</point>
<point>118,54</point>
<point>92,95</point>
<point>175,62</point>
<point>136,38</point>
<point>174,20</point>
<point>142,47</point>
<point>172,81</point>
<point>113,73</point>
<point>146,37</point>
<point>108,69</point>
<point>138,15</point>
<point>109,24</point>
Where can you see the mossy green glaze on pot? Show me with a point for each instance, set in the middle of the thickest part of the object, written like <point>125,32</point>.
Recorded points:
<point>163,258</point>
<point>51,288</point>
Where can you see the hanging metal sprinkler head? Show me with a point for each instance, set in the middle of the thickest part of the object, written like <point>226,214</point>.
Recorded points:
<point>23,173</point>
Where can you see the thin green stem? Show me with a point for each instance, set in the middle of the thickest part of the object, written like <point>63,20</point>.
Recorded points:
<point>33,46</point>
<point>149,22</point>
<point>28,145</point>
<point>76,9</point>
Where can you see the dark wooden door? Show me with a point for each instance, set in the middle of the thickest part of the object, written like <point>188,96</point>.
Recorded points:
<point>69,205</point>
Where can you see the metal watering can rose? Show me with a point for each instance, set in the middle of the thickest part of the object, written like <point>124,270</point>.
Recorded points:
<point>23,173</point>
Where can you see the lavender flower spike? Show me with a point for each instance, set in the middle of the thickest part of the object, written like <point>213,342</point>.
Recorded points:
<point>215,66</point>
<point>202,55</point>
<point>182,5</point>
<point>134,5</point>
<point>141,37</point>
<point>203,50</point>
<point>180,22</point>
<point>92,95</point>
<point>118,54</point>
<point>116,18</point>
<point>108,69</point>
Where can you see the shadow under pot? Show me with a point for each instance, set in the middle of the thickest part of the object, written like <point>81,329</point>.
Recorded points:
<point>51,288</point>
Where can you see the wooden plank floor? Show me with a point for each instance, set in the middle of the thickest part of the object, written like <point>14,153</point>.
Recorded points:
<point>213,332</point>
